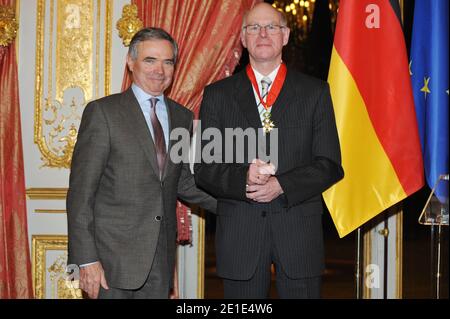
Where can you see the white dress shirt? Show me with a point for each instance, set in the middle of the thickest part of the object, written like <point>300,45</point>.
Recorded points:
<point>259,77</point>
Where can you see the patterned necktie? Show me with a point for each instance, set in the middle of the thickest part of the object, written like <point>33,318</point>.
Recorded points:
<point>265,83</point>
<point>158,136</point>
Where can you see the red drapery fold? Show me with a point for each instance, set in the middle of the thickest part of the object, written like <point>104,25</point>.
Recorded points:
<point>15,266</point>
<point>207,33</point>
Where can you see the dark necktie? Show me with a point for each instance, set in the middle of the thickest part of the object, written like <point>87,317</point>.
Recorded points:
<point>158,136</point>
<point>265,83</point>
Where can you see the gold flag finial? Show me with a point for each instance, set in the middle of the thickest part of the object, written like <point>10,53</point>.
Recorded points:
<point>129,23</point>
<point>8,25</point>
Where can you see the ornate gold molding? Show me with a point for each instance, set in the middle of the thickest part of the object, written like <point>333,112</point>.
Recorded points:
<point>201,255</point>
<point>41,244</point>
<point>129,23</point>
<point>47,193</point>
<point>74,47</point>
<point>108,42</point>
<point>57,116</point>
<point>8,25</point>
<point>70,71</point>
<point>50,211</point>
<point>17,37</point>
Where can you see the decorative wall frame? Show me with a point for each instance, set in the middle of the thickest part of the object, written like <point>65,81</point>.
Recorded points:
<point>72,62</point>
<point>49,258</point>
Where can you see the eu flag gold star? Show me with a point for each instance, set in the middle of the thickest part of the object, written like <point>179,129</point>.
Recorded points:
<point>425,88</point>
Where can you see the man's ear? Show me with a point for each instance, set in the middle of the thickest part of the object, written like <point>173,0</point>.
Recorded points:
<point>130,63</point>
<point>244,43</point>
<point>286,32</point>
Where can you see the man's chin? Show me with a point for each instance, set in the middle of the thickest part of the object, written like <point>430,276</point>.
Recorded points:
<point>263,57</point>
<point>264,51</point>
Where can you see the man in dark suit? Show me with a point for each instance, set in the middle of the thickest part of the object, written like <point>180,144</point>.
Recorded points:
<point>270,214</point>
<point>123,184</point>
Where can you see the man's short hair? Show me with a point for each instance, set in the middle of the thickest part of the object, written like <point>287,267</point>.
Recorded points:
<point>151,34</point>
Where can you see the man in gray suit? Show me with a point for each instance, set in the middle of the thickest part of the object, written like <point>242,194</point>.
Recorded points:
<point>270,215</point>
<point>124,186</point>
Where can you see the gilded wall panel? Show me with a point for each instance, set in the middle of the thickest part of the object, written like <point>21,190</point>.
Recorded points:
<point>49,253</point>
<point>72,62</point>
<point>74,47</point>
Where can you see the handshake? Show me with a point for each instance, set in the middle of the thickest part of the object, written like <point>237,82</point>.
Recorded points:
<point>262,185</point>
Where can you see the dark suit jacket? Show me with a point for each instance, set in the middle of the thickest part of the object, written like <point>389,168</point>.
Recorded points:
<point>308,163</point>
<point>115,192</point>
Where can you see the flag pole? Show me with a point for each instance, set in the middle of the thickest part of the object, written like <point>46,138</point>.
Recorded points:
<point>436,238</point>
<point>385,233</point>
<point>358,277</point>
<point>432,260</point>
<point>438,269</point>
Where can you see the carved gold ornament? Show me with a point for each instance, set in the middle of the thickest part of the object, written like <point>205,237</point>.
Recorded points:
<point>129,24</point>
<point>8,25</point>
<point>49,253</point>
<point>47,193</point>
<point>70,57</point>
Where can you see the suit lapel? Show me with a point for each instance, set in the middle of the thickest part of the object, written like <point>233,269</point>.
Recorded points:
<point>245,98</point>
<point>285,98</point>
<point>135,120</point>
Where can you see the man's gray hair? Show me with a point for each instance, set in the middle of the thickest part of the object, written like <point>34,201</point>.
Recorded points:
<point>151,34</point>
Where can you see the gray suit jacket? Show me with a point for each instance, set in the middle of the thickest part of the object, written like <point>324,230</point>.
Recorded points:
<point>308,163</point>
<point>115,193</point>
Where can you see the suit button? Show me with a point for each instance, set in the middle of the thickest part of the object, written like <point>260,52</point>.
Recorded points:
<point>264,214</point>
<point>158,218</point>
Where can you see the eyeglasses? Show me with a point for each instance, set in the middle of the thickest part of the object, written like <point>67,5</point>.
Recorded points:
<point>270,28</point>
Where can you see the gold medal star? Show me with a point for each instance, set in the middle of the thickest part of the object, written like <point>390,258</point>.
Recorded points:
<point>268,124</point>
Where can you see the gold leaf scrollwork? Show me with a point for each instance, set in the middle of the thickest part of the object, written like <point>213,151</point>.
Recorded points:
<point>129,23</point>
<point>62,288</point>
<point>52,248</point>
<point>59,134</point>
<point>8,25</point>
<point>65,37</point>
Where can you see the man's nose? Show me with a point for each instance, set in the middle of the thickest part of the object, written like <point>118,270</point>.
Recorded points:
<point>263,32</point>
<point>158,67</point>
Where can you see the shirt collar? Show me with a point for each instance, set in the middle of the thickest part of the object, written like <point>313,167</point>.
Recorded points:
<point>271,76</point>
<point>143,96</point>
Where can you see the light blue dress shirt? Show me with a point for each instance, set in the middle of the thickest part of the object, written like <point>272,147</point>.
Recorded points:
<point>143,99</point>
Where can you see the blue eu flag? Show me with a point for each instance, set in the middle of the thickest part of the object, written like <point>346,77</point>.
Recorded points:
<point>429,76</point>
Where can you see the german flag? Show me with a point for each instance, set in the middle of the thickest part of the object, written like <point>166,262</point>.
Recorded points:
<point>374,107</point>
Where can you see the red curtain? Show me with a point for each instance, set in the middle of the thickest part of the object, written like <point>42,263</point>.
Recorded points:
<point>15,266</point>
<point>207,33</point>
